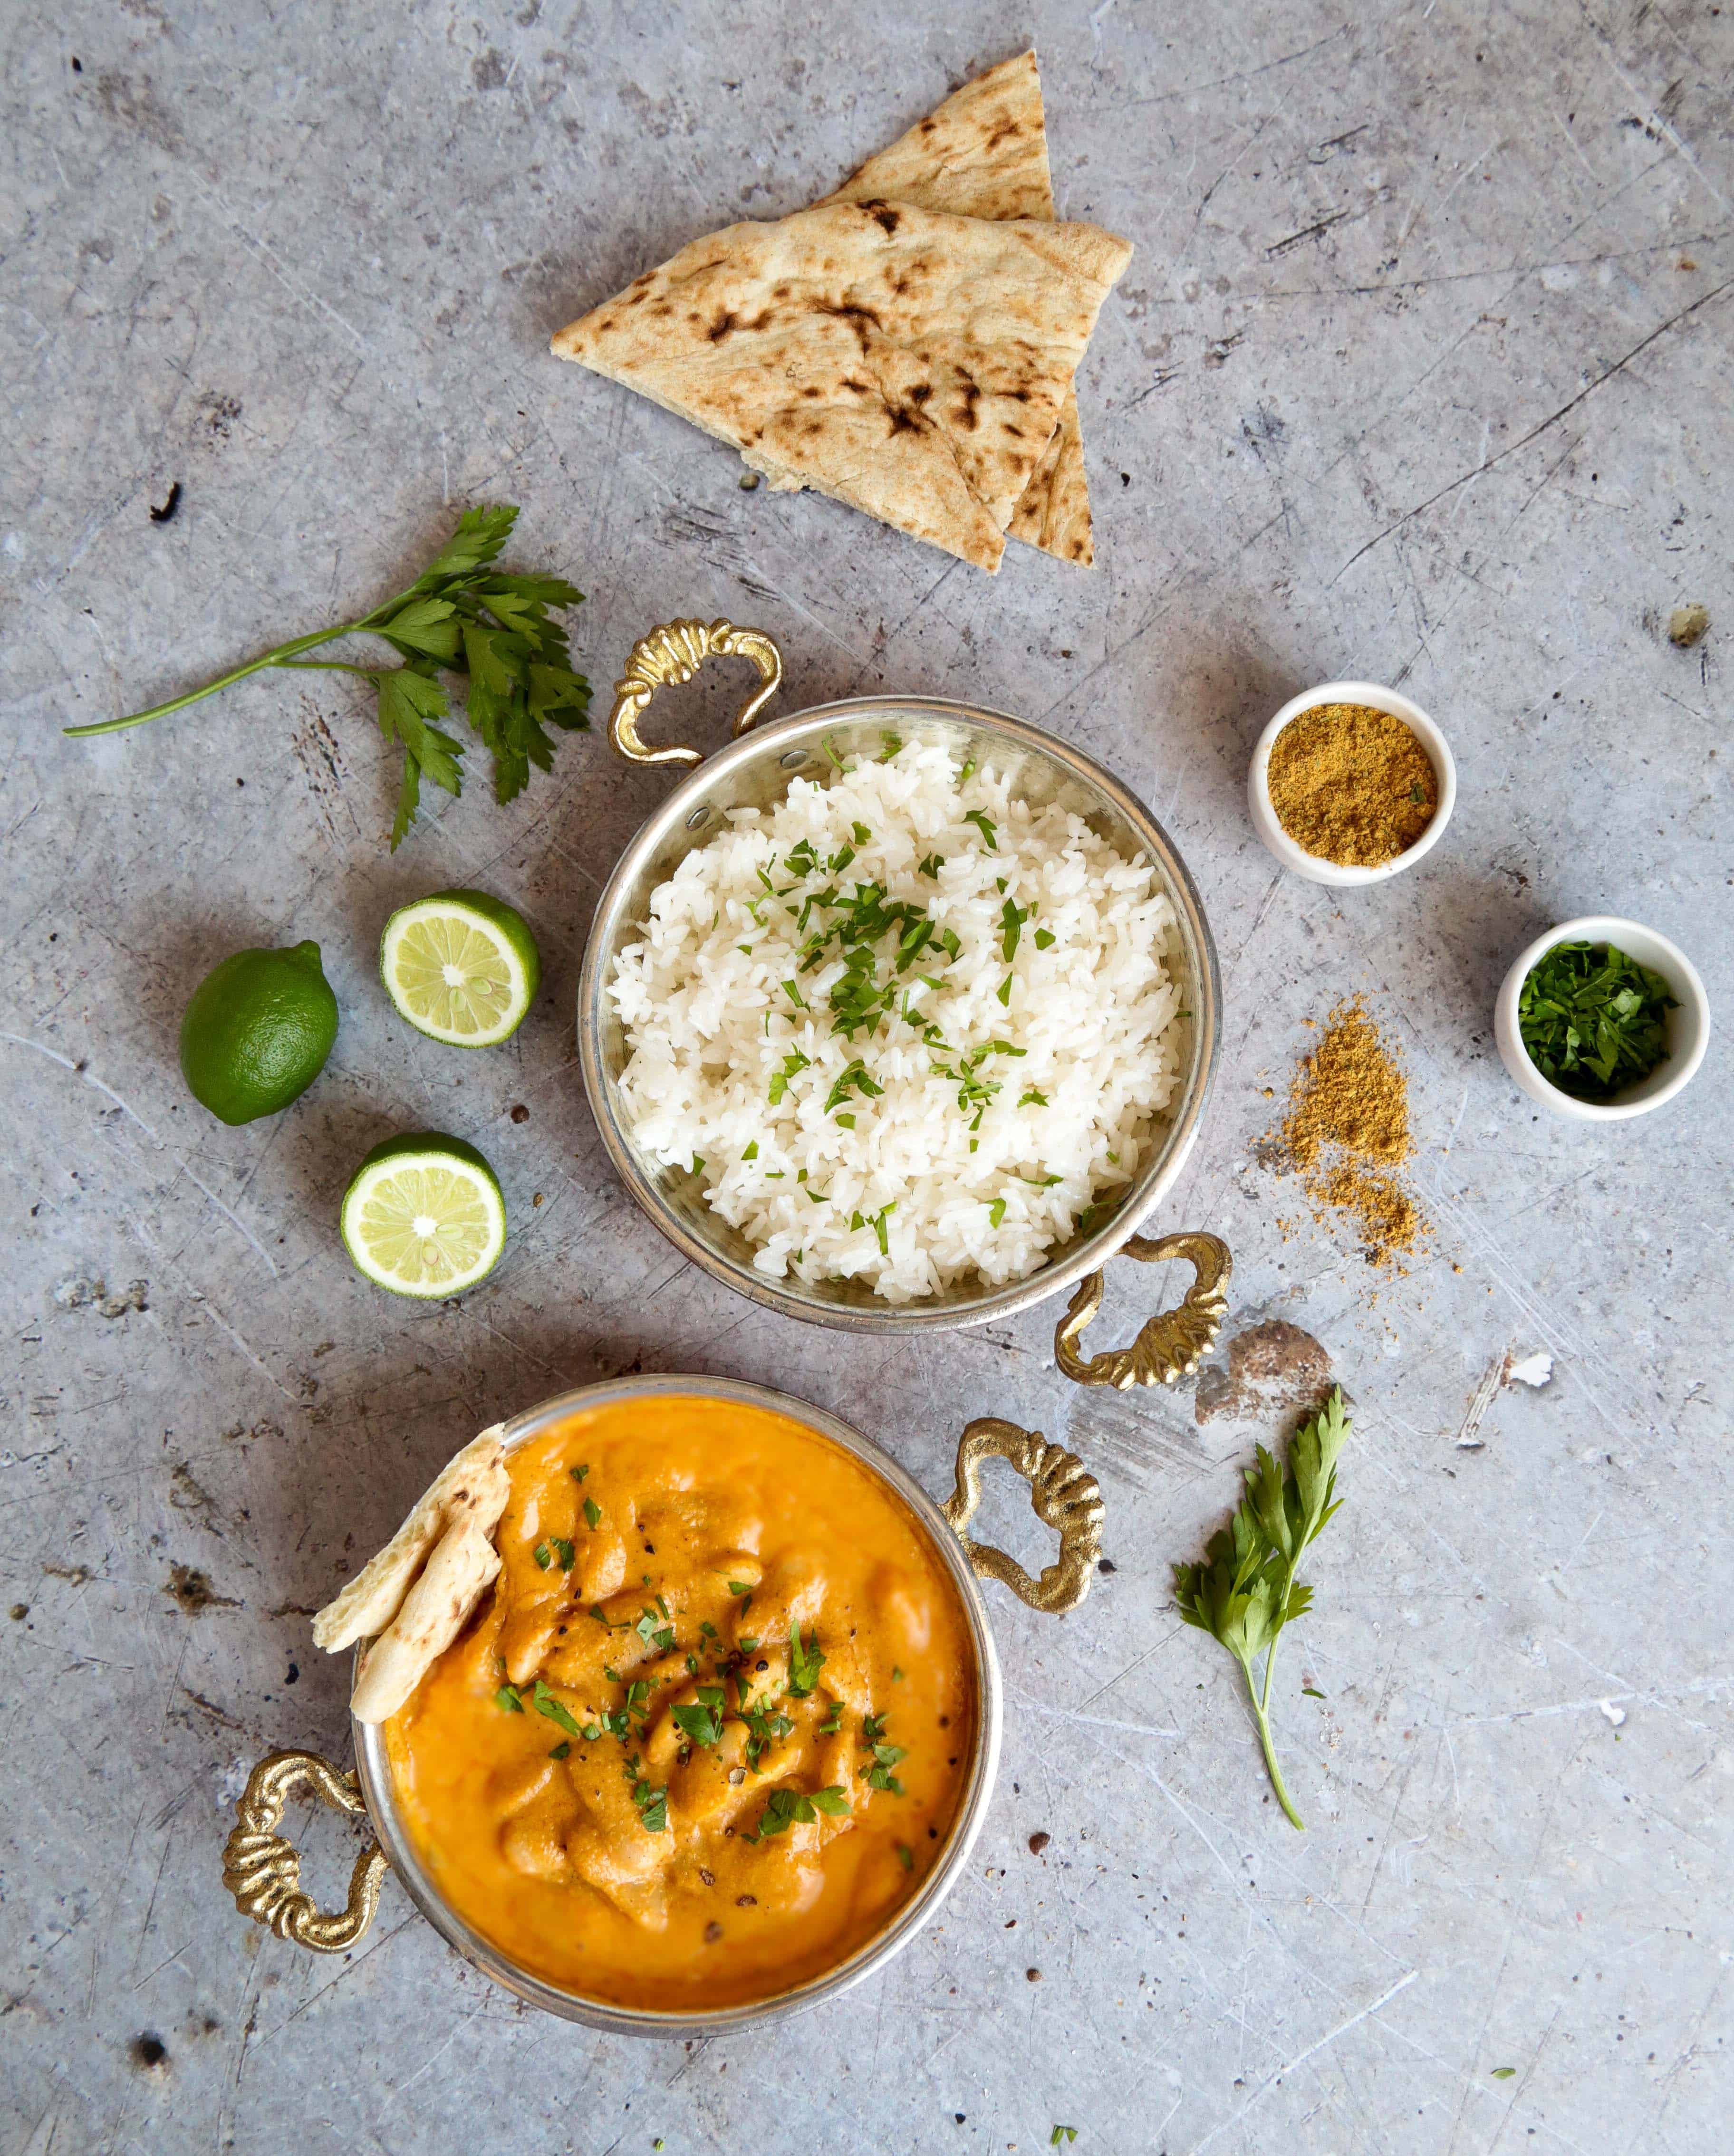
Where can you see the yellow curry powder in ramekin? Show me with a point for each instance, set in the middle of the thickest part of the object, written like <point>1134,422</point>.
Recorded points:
<point>1352,784</point>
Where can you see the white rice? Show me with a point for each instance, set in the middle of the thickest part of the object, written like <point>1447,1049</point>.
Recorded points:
<point>988,1188</point>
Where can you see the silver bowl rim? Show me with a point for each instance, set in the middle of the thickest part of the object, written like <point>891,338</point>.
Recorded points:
<point>373,1767</point>
<point>1085,1256</point>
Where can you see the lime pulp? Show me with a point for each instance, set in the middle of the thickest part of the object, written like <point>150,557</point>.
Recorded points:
<point>423,1216</point>
<point>461,966</point>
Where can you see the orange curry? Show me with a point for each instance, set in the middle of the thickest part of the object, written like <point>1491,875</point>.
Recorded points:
<point>713,1725</point>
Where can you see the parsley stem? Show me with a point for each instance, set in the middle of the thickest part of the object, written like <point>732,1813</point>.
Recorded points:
<point>1263,1720</point>
<point>282,656</point>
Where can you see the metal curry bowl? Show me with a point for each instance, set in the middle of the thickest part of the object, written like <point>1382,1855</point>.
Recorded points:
<point>261,1868</point>
<point>755,771</point>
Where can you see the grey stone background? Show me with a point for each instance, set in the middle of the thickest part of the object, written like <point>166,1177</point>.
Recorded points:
<point>1422,373</point>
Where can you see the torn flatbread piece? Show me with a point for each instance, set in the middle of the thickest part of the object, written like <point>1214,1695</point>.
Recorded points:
<point>984,153</point>
<point>910,363</point>
<point>464,1565</point>
<point>475,1484</point>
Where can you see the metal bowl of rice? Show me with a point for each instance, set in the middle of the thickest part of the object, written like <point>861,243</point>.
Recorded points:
<point>714,1021</point>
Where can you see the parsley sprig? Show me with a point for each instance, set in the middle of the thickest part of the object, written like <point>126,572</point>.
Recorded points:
<point>1593,1021</point>
<point>465,617</point>
<point>1245,1591</point>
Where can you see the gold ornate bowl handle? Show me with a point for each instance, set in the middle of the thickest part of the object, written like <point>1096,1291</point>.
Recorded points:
<point>1064,1495</point>
<point>674,653</point>
<point>263,1872</point>
<point>1170,1343</point>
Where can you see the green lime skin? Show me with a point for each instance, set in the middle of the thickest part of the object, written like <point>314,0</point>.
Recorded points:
<point>426,1142</point>
<point>257,1032</point>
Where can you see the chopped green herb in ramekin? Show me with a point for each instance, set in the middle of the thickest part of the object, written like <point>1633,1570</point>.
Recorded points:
<point>1593,1020</point>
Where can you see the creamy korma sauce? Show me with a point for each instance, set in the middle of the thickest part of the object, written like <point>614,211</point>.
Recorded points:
<point>633,1773</point>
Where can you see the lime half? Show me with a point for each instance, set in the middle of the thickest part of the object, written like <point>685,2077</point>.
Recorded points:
<point>423,1215</point>
<point>461,966</point>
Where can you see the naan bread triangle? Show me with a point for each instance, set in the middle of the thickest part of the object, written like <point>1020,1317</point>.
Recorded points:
<point>911,363</point>
<point>984,153</point>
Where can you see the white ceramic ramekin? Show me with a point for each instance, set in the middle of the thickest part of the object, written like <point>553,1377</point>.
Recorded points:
<point>1312,866</point>
<point>1688,1026</point>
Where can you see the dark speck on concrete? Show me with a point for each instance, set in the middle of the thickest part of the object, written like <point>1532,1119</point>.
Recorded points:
<point>193,1590</point>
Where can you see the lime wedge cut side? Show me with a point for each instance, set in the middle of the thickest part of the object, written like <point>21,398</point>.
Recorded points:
<point>423,1216</point>
<point>461,966</point>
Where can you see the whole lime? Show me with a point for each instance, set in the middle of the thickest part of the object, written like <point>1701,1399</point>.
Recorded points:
<point>257,1032</point>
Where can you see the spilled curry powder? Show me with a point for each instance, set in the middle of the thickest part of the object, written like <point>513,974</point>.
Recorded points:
<point>1347,1133</point>
<point>1352,784</point>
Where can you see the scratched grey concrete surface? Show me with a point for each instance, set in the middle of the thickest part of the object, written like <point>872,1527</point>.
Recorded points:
<point>1422,373</point>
